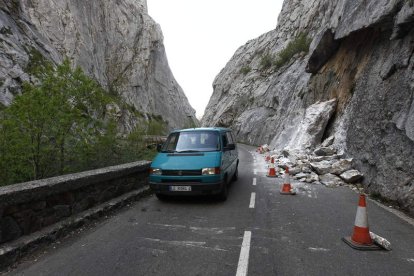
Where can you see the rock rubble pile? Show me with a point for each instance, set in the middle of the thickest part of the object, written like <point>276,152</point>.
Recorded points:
<point>325,165</point>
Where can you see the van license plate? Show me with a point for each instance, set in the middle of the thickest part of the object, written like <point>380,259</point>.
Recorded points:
<point>180,188</point>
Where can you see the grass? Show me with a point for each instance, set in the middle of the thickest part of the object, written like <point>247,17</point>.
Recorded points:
<point>300,44</point>
<point>245,70</point>
<point>266,61</point>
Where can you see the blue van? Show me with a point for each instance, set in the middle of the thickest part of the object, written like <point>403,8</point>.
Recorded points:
<point>196,161</point>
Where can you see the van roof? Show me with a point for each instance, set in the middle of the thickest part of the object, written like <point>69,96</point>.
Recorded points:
<point>218,129</point>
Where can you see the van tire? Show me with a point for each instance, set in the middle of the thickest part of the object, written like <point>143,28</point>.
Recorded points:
<point>236,174</point>
<point>224,192</point>
<point>161,196</point>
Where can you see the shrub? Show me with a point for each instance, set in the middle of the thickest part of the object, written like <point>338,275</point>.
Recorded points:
<point>299,44</point>
<point>266,62</point>
<point>245,70</point>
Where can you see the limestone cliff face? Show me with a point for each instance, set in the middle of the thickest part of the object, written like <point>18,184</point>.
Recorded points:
<point>361,58</point>
<point>116,42</point>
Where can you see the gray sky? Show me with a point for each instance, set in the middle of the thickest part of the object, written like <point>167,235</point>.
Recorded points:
<point>200,37</point>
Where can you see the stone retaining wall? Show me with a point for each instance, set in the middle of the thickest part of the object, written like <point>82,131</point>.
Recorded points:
<point>30,206</point>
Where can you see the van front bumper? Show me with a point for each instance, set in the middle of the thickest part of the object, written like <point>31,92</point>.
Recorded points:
<point>196,188</point>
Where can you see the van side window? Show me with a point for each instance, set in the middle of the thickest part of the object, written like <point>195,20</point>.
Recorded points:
<point>171,142</point>
<point>229,138</point>
<point>224,138</point>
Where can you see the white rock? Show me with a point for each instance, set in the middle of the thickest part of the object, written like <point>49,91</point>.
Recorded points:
<point>325,151</point>
<point>331,180</point>
<point>328,141</point>
<point>322,167</point>
<point>341,166</point>
<point>351,176</point>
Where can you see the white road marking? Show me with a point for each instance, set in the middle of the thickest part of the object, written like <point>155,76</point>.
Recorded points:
<point>209,231</point>
<point>252,200</point>
<point>318,249</point>
<point>254,181</point>
<point>254,171</point>
<point>187,244</point>
<point>243,265</point>
<point>175,226</point>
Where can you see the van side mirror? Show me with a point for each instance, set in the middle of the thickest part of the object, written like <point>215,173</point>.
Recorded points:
<point>230,147</point>
<point>159,146</point>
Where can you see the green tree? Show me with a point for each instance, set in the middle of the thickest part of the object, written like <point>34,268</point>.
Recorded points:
<point>47,126</point>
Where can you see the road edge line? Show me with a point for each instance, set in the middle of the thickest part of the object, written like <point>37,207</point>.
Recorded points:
<point>399,214</point>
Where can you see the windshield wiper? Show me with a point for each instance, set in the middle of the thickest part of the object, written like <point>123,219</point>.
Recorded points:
<point>186,151</point>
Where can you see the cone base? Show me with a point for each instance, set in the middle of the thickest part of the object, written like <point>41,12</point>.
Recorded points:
<point>271,175</point>
<point>287,193</point>
<point>287,189</point>
<point>358,246</point>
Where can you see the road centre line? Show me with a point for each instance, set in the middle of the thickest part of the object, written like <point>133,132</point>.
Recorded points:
<point>243,265</point>
<point>254,181</point>
<point>252,200</point>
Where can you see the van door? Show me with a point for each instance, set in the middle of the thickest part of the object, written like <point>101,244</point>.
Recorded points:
<point>226,159</point>
<point>233,153</point>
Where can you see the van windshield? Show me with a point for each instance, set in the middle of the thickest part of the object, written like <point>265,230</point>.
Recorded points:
<point>194,141</point>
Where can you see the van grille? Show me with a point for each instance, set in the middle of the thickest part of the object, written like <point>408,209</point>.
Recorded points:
<point>181,172</point>
<point>181,180</point>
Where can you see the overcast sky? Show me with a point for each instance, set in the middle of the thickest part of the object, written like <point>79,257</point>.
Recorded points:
<point>200,37</point>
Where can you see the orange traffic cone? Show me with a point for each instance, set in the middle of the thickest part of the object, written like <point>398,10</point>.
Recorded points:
<point>267,158</point>
<point>286,187</point>
<point>361,238</point>
<point>272,171</point>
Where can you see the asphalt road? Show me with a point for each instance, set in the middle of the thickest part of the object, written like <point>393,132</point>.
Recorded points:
<point>265,234</point>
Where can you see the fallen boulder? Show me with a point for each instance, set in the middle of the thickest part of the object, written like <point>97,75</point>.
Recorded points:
<point>322,167</point>
<point>341,166</point>
<point>324,151</point>
<point>351,176</point>
<point>330,180</point>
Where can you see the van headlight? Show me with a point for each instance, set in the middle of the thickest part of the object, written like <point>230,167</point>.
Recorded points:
<point>155,171</point>
<point>210,171</point>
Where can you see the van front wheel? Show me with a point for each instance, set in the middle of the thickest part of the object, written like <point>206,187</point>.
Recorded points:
<point>236,174</point>
<point>224,192</point>
<point>161,196</point>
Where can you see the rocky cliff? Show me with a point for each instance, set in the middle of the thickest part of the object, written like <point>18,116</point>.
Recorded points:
<point>115,42</point>
<point>341,68</point>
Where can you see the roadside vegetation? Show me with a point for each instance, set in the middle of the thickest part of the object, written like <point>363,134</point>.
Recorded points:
<point>61,125</point>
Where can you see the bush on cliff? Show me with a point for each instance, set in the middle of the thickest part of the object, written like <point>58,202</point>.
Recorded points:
<point>300,44</point>
<point>266,62</point>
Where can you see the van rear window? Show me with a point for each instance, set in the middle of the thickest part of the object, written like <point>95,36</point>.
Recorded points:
<point>193,141</point>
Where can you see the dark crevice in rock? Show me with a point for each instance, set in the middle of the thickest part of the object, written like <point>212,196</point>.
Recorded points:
<point>325,47</point>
